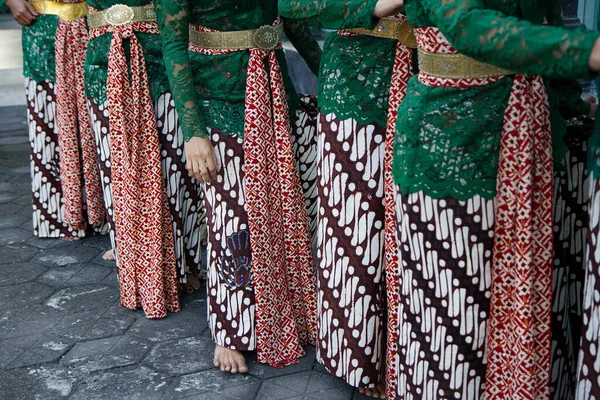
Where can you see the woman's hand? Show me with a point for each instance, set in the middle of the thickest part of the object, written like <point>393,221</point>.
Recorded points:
<point>201,161</point>
<point>22,11</point>
<point>387,8</point>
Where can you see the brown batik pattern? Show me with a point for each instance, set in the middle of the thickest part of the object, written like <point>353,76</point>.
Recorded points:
<point>186,197</point>
<point>304,142</point>
<point>588,368</point>
<point>48,204</point>
<point>571,196</point>
<point>230,288</point>
<point>445,278</point>
<point>351,292</point>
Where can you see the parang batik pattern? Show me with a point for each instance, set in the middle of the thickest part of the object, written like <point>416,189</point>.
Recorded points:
<point>350,249</point>
<point>46,187</point>
<point>571,197</point>
<point>185,194</point>
<point>588,368</point>
<point>230,298</point>
<point>304,142</point>
<point>445,278</point>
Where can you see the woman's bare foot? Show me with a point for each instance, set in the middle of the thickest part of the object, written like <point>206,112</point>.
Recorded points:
<point>378,391</point>
<point>109,255</point>
<point>230,360</point>
<point>192,283</point>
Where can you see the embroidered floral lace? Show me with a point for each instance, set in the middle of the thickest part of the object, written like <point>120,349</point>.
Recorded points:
<point>354,79</point>
<point>447,139</point>
<point>209,90</point>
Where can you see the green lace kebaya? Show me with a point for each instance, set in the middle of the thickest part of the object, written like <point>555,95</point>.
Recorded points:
<point>447,140</point>
<point>210,90</point>
<point>355,71</point>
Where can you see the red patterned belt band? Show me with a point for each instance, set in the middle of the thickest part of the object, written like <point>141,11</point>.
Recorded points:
<point>519,336</point>
<point>143,232</point>
<point>79,173</point>
<point>282,263</point>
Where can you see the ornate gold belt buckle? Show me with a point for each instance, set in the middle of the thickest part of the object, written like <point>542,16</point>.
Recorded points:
<point>119,14</point>
<point>266,37</point>
<point>70,12</point>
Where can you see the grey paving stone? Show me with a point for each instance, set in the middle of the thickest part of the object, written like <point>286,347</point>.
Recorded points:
<point>99,260</point>
<point>9,354</point>
<point>263,371</point>
<point>294,382</point>
<point>16,188</point>
<point>10,209</point>
<point>271,391</point>
<point>102,354</point>
<point>57,277</point>
<point>49,243</point>
<point>43,349</point>
<point>12,274</point>
<point>6,197</point>
<point>190,322</point>
<point>71,253</point>
<point>182,356</point>
<point>25,294</point>
<point>17,253</point>
<point>101,242</point>
<point>94,325</point>
<point>111,280</point>
<point>242,392</point>
<point>9,318</point>
<point>88,275</point>
<point>14,236</point>
<point>13,221</point>
<point>83,298</point>
<point>21,170</point>
<point>14,140</point>
<point>139,383</point>
<point>213,381</point>
<point>44,382</point>
<point>325,386</point>
<point>33,324</point>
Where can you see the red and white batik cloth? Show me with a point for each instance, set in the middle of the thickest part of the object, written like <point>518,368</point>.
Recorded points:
<point>79,173</point>
<point>184,193</point>
<point>357,241</point>
<point>474,313</point>
<point>47,195</point>
<point>143,231</point>
<point>281,264</point>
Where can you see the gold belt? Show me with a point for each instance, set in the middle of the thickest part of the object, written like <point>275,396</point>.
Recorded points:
<point>457,66</point>
<point>65,11</point>
<point>396,29</point>
<point>266,37</point>
<point>121,14</point>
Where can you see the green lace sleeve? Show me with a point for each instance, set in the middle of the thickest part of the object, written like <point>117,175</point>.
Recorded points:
<point>512,43</point>
<point>303,40</point>
<point>3,7</point>
<point>173,21</point>
<point>331,14</point>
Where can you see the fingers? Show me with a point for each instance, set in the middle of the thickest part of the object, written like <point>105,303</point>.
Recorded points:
<point>26,15</point>
<point>211,166</point>
<point>204,171</point>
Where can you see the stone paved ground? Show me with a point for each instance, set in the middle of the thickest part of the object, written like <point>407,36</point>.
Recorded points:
<point>63,333</point>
